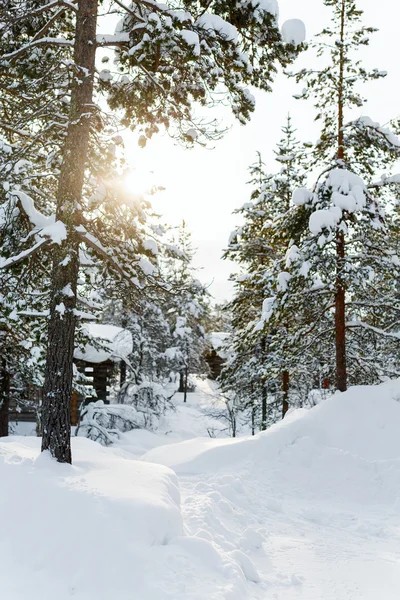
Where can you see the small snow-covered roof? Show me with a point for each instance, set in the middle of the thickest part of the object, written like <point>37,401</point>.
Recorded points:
<point>116,343</point>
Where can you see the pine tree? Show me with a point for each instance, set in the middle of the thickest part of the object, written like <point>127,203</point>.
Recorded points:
<point>188,311</point>
<point>340,268</point>
<point>165,62</point>
<point>256,371</point>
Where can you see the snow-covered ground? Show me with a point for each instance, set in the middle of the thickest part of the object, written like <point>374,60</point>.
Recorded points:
<point>307,510</point>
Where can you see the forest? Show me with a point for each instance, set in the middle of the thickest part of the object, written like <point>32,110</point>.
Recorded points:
<point>117,361</point>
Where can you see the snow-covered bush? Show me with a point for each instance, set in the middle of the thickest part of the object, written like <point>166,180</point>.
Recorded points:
<point>105,422</point>
<point>150,399</point>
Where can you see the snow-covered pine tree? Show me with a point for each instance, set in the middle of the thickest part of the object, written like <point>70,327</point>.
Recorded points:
<point>166,58</point>
<point>256,371</point>
<point>188,312</point>
<point>338,274</point>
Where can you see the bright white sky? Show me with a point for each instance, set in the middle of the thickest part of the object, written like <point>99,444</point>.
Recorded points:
<point>204,186</point>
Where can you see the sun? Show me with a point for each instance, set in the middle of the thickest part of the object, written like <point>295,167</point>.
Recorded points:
<point>138,181</point>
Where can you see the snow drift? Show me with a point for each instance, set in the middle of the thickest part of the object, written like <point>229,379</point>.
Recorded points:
<point>82,531</point>
<point>339,449</point>
<point>306,510</point>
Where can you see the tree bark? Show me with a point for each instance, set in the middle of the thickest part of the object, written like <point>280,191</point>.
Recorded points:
<point>122,373</point>
<point>285,390</point>
<point>340,294</point>
<point>56,412</point>
<point>263,408</point>
<point>340,316</point>
<point>4,398</point>
<point>185,384</point>
<point>181,388</point>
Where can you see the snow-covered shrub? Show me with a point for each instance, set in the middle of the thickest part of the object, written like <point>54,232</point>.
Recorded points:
<point>151,400</point>
<point>105,422</point>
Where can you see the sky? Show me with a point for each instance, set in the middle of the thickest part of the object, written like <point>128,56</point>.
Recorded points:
<point>205,185</point>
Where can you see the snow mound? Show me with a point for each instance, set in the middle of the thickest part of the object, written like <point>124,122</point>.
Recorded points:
<point>84,530</point>
<point>339,450</point>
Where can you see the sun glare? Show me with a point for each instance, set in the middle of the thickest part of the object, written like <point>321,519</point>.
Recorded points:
<point>138,181</point>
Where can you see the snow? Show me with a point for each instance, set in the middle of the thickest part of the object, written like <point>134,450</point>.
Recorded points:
<point>386,132</point>
<point>91,531</point>
<point>348,190</point>
<point>293,31</point>
<point>116,343</point>
<point>212,22</point>
<point>151,245</point>
<point>217,340</point>
<point>192,39</point>
<point>308,509</point>
<point>322,219</point>
<point>283,281</point>
<point>302,196</point>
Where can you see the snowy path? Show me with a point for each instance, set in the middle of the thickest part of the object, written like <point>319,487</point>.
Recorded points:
<point>306,512</point>
<point>306,553</point>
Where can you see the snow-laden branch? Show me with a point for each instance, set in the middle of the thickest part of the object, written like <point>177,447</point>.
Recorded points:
<point>99,249</point>
<point>45,8</point>
<point>14,260</point>
<point>377,330</point>
<point>393,179</point>
<point>46,41</point>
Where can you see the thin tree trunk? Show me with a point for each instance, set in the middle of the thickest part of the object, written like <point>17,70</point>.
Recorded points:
<point>263,408</point>
<point>285,390</point>
<point>263,390</point>
<point>186,384</point>
<point>340,317</point>
<point>181,388</point>
<point>56,412</point>
<point>122,373</point>
<point>340,295</point>
<point>4,398</point>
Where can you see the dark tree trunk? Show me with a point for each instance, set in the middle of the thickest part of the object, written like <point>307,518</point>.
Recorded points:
<point>263,408</point>
<point>264,393</point>
<point>185,384</point>
<point>340,317</point>
<point>285,392</point>
<point>340,306</point>
<point>56,412</point>
<point>4,398</point>
<point>181,388</point>
<point>122,373</point>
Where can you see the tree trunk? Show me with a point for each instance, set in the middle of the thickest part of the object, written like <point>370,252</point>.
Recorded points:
<point>263,408</point>
<point>122,373</point>
<point>181,388</point>
<point>4,398</point>
<point>56,412</point>
<point>285,390</point>
<point>185,384</point>
<point>340,293</point>
<point>340,317</point>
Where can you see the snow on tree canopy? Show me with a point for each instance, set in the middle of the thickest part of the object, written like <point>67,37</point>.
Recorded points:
<point>293,32</point>
<point>390,136</point>
<point>324,219</point>
<point>348,190</point>
<point>112,343</point>
<point>302,196</point>
<point>216,23</point>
